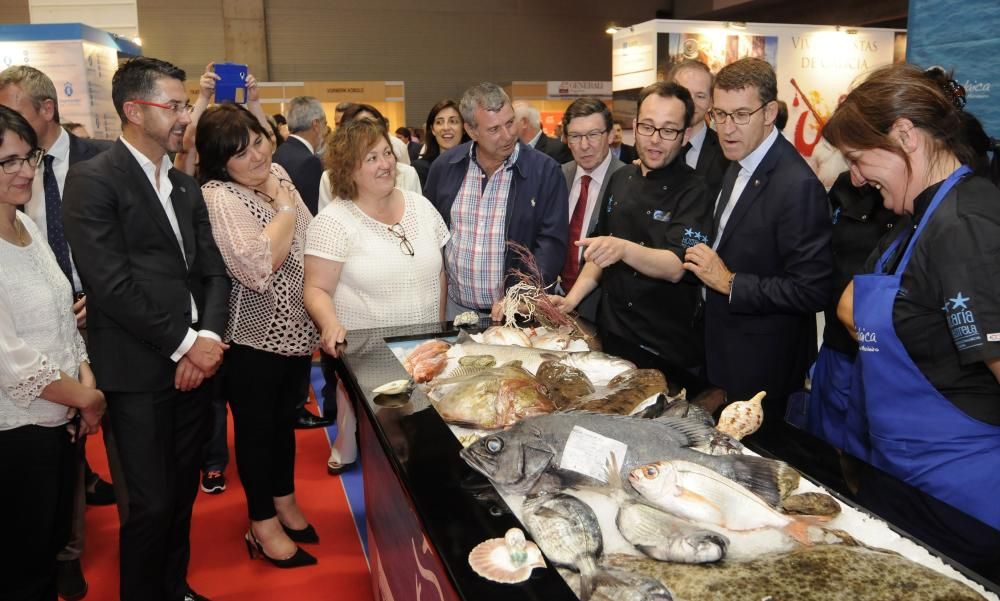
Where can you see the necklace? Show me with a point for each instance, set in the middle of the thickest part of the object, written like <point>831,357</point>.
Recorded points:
<point>20,233</point>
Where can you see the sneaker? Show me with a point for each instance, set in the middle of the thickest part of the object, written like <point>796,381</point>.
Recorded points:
<point>213,482</point>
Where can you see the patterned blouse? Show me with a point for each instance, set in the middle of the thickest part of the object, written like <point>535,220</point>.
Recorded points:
<point>266,308</point>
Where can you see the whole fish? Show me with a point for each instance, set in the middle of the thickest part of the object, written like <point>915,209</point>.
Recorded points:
<point>817,573</point>
<point>624,393</point>
<point>599,367</point>
<point>516,459</point>
<point>504,335</point>
<point>568,533</point>
<point>491,398</point>
<point>564,383</point>
<point>621,586</point>
<point>657,533</point>
<point>697,493</point>
<point>427,360</point>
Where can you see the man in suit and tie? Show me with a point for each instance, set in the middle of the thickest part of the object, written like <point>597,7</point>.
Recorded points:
<point>157,302</point>
<point>649,214</point>
<point>703,152</point>
<point>621,151</point>
<point>31,93</point>
<point>769,266</point>
<point>529,120</point>
<point>299,154</point>
<point>587,123</point>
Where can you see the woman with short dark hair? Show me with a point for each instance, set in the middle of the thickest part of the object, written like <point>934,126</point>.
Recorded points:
<point>259,223</point>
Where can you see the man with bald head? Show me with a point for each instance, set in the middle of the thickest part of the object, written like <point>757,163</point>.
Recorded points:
<point>529,122</point>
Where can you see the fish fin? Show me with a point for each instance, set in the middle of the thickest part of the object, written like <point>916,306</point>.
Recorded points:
<point>463,337</point>
<point>655,410</point>
<point>799,530</point>
<point>767,478</point>
<point>464,371</point>
<point>696,432</point>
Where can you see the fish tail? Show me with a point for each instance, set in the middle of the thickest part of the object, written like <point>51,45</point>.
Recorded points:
<point>769,479</point>
<point>589,573</point>
<point>799,530</point>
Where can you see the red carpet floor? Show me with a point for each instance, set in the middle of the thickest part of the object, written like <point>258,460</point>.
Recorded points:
<point>220,568</point>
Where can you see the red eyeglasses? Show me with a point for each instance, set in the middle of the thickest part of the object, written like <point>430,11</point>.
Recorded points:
<point>175,107</point>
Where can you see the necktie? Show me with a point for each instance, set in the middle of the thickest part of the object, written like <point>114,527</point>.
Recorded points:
<point>571,269</point>
<point>728,182</point>
<point>53,219</point>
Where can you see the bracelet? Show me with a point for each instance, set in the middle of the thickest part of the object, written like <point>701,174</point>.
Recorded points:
<point>286,209</point>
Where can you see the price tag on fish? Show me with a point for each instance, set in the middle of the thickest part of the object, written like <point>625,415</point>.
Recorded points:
<point>587,452</point>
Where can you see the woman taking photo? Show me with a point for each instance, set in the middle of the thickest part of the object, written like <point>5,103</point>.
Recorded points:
<point>929,367</point>
<point>259,223</point>
<point>373,256</point>
<point>446,130</point>
<point>45,380</point>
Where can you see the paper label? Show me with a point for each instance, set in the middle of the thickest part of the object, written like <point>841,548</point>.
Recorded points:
<point>588,452</point>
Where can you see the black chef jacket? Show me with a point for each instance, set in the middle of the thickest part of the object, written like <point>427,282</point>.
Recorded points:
<point>859,221</point>
<point>947,313</point>
<point>667,209</point>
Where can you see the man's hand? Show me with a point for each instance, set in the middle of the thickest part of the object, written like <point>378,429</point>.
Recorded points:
<point>206,354</point>
<point>561,303</point>
<point>206,83</point>
<point>705,263</point>
<point>603,251</point>
<point>332,339</point>
<point>80,311</point>
<point>187,377</point>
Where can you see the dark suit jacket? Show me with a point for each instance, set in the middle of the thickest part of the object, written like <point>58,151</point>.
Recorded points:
<point>554,148</point>
<point>81,149</point>
<point>138,285</point>
<point>588,306</point>
<point>627,154</point>
<point>712,163</point>
<point>777,242</point>
<point>305,169</point>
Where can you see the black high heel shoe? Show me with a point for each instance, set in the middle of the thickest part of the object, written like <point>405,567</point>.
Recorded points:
<point>305,536</point>
<point>255,550</point>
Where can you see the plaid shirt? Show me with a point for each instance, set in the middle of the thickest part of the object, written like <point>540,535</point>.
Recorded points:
<point>478,244</point>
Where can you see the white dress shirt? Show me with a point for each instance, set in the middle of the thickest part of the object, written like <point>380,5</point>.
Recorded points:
<point>35,208</point>
<point>696,142</point>
<point>597,177</point>
<point>163,187</point>
<point>748,165</point>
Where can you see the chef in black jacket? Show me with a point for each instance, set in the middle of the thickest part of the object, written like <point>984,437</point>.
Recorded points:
<point>649,215</point>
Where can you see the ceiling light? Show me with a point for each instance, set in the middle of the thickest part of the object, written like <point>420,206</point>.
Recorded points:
<point>611,30</point>
<point>137,41</point>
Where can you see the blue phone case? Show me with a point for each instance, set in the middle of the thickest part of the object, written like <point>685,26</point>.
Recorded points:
<point>233,78</point>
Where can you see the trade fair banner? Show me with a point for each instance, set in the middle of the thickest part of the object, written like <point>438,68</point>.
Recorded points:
<point>815,66</point>
<point>961,36</point>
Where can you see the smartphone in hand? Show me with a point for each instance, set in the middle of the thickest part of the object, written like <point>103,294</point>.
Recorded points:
<point>232,83</point>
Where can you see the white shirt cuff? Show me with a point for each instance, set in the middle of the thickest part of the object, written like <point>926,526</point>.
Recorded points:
<point>186,344</point>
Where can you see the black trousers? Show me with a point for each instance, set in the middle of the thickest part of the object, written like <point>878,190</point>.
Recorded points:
<point>155,447</point>
<point>263,389</point>
<point>38,472</point>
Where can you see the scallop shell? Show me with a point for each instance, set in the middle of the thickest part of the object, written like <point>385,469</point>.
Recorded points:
<point>742,418</point>
<point>491,559</point>
<point>469,318</point>
<point>394,387</point>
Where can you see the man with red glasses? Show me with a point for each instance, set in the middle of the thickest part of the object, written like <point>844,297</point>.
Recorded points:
<point>158,295</point>
<point>768,267</point>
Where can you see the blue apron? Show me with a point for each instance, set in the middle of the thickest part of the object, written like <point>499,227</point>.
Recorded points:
<point>835,414</point>
<point>916,434</point>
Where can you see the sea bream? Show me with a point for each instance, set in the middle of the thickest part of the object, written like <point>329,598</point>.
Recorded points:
<point>529,453</point>
<point>599,367</point>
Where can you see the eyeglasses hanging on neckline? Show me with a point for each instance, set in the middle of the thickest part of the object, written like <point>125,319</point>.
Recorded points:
<point>399,232</point>
<point>284,183</point>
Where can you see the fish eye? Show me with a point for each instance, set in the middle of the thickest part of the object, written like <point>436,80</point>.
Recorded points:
<point>494,445</point>
<point>651,472</point>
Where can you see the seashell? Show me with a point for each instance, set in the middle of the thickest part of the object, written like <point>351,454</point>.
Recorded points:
<point>394,387</point>
<point>742,418</point>
<point>478,361</point>
<point>469,318</point>
<point>506,560</point>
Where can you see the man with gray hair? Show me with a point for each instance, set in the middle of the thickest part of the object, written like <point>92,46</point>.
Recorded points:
<point>492,190</point>
<point>529,121</point>
<point>298,155</point>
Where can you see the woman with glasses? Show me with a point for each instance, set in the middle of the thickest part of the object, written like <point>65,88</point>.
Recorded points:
<point>48,394</point>
<point>259,223</point>
<point>373,256</point>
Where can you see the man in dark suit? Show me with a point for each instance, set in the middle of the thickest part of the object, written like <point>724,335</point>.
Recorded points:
<point>587,123</point>
<point>31,93</point>
<point>157,300</point>
<point>769,267</point>
<point>299,155</point>
<point>621,151</point>
<point>529,120</point>
<point>703,152</point>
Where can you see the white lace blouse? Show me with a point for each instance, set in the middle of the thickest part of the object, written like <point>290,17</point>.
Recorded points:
<point>38,335</point>
<point>266,308</point>
<point>380,284</point>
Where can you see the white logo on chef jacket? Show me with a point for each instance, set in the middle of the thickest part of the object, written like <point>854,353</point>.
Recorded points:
<point>867,340</point>
<point>962,322</point>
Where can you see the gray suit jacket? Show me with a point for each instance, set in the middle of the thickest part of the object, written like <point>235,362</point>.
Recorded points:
<point>588,306</point>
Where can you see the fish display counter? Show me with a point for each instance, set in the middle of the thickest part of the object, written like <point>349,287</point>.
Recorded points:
<point>427,509</point>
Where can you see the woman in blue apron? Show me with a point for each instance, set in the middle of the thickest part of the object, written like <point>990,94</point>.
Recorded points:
<point>927,316</point>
